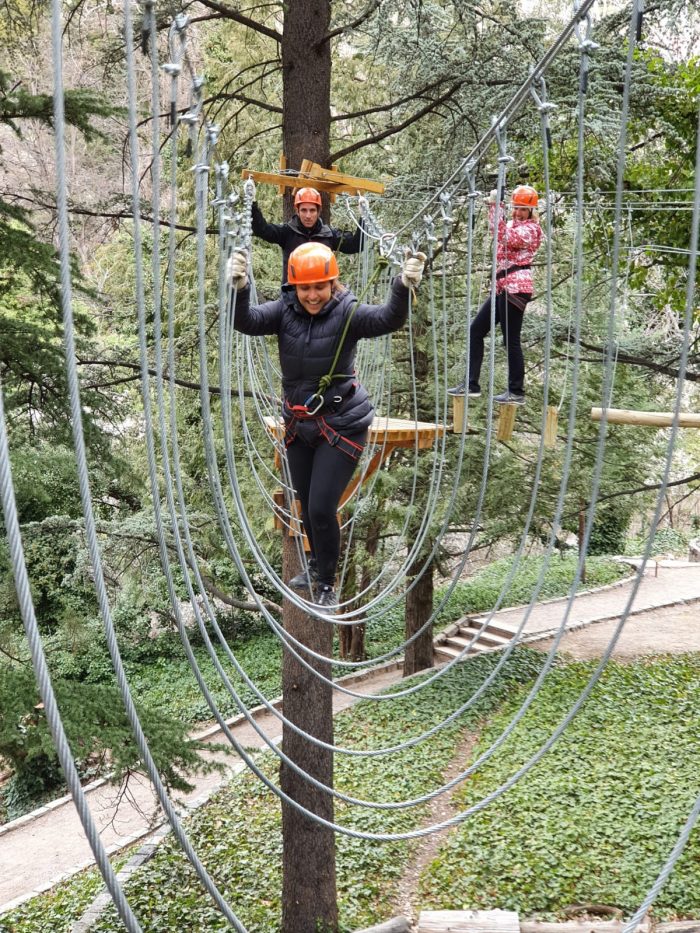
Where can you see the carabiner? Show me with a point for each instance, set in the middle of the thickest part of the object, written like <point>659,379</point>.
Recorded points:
<point>312,411</point>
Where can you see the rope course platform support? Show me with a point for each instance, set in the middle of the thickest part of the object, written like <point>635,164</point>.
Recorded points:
<point>653,419</point>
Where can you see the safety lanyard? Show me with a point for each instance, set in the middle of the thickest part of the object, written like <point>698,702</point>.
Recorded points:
<point>326,380</point>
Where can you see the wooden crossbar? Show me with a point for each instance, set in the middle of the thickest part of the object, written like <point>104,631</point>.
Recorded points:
<point>654,419</point>
<point>323,179</point>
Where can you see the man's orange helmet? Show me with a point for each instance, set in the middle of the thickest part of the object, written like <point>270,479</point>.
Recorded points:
<point>312,262</point>
<point>307,196</point>
<point>524,196</point>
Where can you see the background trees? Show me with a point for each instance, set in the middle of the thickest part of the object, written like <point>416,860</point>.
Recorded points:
<point>396,90</point>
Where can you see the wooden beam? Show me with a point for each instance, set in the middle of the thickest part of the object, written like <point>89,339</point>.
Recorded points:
<point>318,177</point>
<point>318,172</point>
<point>654,419</point>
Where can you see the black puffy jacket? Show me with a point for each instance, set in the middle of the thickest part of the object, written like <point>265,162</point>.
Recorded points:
<point>308,343</point>
<point>294,233</point>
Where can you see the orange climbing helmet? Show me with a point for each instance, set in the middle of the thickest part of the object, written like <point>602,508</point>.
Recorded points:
<point>307,196</point>
<point>312,262</point>
<point>524,196</point>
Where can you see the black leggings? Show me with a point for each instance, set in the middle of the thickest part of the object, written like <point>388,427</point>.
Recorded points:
<point>320,474</point>
<point>510,318</point>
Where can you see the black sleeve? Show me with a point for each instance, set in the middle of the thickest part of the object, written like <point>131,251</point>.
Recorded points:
<point>271,233</point>
<point>258,320</point>
<point>377,320</point>
<point>346,241</point>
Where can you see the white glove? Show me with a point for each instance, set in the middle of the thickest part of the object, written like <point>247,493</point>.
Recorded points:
<point>237,269</point>
<point>412,269</point>
<point>493,196</point>
<point>249,188</point>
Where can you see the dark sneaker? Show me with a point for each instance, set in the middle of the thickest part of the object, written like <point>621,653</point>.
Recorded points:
<point>461,389</point>
<point>326,597</point>
<point>509,398</point>
<point>305,580</point>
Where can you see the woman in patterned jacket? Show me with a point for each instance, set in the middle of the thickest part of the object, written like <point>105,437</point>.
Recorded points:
<point>518,241</point>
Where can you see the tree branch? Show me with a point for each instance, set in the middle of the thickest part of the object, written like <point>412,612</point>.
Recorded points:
<point>622,357</point>
<point>392,130</point>
<point>227,13</point>
<point>339,30</point>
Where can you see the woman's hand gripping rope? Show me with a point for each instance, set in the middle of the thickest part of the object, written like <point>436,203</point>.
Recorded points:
<point>237,269</point>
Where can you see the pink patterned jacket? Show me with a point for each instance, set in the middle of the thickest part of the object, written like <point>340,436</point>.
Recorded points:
<point>518,241</point>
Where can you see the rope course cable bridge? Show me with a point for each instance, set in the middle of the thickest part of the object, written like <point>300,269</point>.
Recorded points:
<point>246,461</point>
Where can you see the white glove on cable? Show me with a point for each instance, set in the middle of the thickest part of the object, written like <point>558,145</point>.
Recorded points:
<point>249,188</point>
<point>237,269</point>
<point>412,269</point>
<point>493,196</point>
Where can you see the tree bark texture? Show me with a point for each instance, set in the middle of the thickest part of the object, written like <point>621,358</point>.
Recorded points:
<point>419,606</point>
<point>306,85</point>
<point>309,902</point>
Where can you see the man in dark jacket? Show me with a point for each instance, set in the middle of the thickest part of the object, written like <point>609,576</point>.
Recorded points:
<point>326,426</point>
<point>305,227</point>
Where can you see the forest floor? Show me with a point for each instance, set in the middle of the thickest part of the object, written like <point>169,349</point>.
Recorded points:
<point>48,845</point>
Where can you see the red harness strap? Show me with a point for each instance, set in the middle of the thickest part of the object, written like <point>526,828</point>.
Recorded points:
<point>329,434</point>
<point>335,439</point>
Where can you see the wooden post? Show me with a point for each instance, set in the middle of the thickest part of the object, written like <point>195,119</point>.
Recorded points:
<point>581,535</point>
<point>506,422</point>
<point>309,901</point>
<point>457,413</point>
<point>550,426</point>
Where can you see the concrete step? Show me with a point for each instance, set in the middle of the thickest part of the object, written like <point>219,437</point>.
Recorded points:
<point>487,637</point>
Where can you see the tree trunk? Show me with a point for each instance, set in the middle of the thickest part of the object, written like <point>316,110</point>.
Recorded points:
<point>419,606</point>
<point>352,637</point>
<point>306,85</point>
<point>309,902</point>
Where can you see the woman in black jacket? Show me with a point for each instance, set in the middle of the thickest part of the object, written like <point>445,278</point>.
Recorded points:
<point>305,226</point>
<point>326,420</point>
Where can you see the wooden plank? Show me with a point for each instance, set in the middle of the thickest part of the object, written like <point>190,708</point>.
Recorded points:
<point>283,166</point>
<point>655,419</point>
<point>550,426</point>
<point>317,171</point>
<point>395,925</point>
<point>582,926</point>
<point>506,422</point>
<point>468,921</point>
<point>298,181</point>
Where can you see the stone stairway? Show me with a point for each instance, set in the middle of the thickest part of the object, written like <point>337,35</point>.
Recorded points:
<point>467,632</point>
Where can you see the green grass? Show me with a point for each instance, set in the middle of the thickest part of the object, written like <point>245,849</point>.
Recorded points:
<point>595,820</point>
<point>591,823</point>
<point>238,836</point>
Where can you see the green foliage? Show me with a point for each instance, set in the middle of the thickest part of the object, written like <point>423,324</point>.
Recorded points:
<point>97,730</point>
<point>609,530</point>
<point>594,821</point>
<point>591,823</point>
<point>666,541</point>
<point>238,833</point>
<point>481,593</point>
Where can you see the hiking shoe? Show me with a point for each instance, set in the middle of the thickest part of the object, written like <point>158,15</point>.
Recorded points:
<point>461,390</point>
<point>326,597</point>
<point>510,398</point>
<point>306,579</point>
